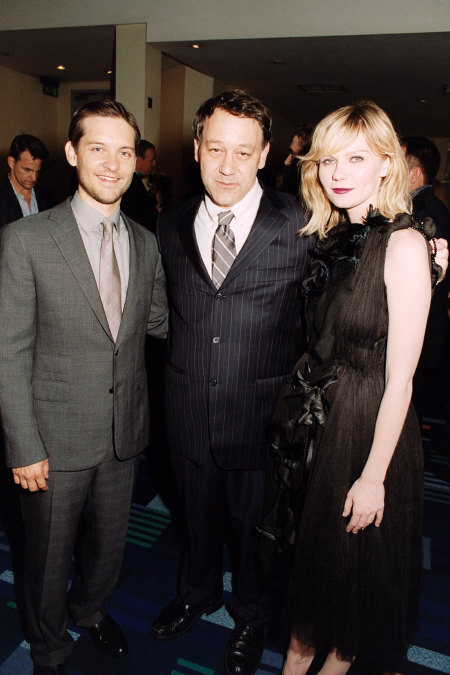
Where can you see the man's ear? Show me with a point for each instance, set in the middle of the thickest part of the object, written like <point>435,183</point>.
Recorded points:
<point>71,153</point>
<point>262,160</point>
<point>416,178</point>
<point>196,148</point>
<point>11,162</point>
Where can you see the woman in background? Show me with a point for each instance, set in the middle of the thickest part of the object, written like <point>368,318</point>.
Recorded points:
<point>354,586</point>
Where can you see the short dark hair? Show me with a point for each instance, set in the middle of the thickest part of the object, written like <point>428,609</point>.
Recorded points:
<point>305,130</point>
<point>23,142</point>
<point>143,146</point>
<point>106,108</point>
<point>238,103</point>
<point>420,151</point>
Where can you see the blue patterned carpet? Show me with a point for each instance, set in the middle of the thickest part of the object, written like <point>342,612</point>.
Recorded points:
<point>149,580</point>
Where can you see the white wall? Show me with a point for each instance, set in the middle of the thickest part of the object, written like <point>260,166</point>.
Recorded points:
<point>215,19</point>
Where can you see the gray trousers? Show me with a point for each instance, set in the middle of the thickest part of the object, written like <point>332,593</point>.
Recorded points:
<point>94,503</point>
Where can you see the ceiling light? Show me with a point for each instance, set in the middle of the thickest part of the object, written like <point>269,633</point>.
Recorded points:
<point>195,46</point>
<point>61,67</point>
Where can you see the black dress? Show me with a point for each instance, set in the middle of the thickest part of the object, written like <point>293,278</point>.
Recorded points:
<point>356,593</point>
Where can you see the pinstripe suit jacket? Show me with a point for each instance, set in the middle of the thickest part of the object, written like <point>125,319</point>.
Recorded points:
<point>230,348</point>
<point>67,392</point>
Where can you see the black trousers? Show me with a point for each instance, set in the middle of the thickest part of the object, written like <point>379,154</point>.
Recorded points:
<point>95,502</point>
<point>222,506</point>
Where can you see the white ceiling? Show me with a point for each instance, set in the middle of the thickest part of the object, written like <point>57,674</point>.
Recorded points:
<point>405,74</point>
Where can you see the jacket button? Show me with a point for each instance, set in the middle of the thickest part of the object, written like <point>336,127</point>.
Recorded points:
<point>216,340</point>
<point>111,391</point>
<point>219,296</point>
<point>213,382</point>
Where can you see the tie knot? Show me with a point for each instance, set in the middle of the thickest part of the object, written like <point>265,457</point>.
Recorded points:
<point>225,218</point>
<point>107,225</point>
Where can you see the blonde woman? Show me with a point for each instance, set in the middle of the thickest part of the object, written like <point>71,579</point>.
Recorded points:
<point>355,581</point>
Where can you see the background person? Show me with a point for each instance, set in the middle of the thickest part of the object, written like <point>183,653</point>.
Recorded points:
<point>430,380</point>
<point>137,202</point>
<point>19,194</point>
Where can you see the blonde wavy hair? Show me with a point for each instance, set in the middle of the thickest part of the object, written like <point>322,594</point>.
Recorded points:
<point>334,133</point>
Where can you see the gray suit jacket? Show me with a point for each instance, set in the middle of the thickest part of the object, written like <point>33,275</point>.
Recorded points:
<point>230,348</point>
<point>67,392</point>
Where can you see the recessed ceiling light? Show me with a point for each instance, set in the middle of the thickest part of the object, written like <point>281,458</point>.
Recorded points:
<point>195,46</point>
<point>61,67</point>
<point>109,72</point>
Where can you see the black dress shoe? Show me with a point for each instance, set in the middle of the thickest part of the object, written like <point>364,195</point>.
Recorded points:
<point>244,650</point>
<point>108,637</point>
<point>179,616</point>
<point>60,669</point>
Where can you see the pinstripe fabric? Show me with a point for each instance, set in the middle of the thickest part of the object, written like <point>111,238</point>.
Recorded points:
<point>234,504</point>
<point>230,348</point>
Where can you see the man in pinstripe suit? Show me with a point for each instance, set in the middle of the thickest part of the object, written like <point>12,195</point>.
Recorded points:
<point>230,344</point>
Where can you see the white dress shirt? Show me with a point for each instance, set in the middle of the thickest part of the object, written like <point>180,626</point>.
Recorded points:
<point>206,222</point>
<point>91,229</point>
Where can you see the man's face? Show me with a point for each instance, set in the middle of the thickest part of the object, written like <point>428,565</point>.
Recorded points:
<point>24,171</point>
<point>297,144</point>
<point>146,165</point>
<point>230,154</point>
<point>416,177</point>
<point>105,161</point>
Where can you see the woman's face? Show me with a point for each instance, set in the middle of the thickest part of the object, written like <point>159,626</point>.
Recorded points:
<point>352,177</point>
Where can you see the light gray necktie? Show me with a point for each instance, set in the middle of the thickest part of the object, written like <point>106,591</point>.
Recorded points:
<point>223,250</point>
<point>109,280</point>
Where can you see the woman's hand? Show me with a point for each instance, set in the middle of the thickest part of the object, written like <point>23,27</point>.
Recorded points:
<point>365,501</point>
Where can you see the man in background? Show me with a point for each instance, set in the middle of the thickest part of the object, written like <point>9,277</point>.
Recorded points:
<point>138,203</point>
<point>423,159</point>
<point>288,175</point>
<point>19,194</point>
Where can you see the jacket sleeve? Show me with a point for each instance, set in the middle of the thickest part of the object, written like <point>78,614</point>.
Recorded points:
<point>158,320</point>
<point>18,308</point>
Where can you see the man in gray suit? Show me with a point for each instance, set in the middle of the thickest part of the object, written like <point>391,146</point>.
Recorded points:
<point>77,296</point>
<point>234,334</point>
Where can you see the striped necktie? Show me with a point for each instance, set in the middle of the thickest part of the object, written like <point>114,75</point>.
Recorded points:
<point>109,280</point>
<point>223,248</point>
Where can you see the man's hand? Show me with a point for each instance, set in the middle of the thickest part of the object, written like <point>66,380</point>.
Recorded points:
<point>442,255</point>
<point>32,477</point>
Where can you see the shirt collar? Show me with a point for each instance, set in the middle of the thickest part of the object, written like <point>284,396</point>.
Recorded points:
<point>253,196</point>
<point>89,219</point>
<point>415,192</point>
<point>18,195</point>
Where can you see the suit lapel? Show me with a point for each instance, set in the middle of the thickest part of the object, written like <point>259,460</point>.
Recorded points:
<point>136,275</point>
<point>64,230</point>
<point>189,242</point>
<point>269,220</point>
<point>268,223</point>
